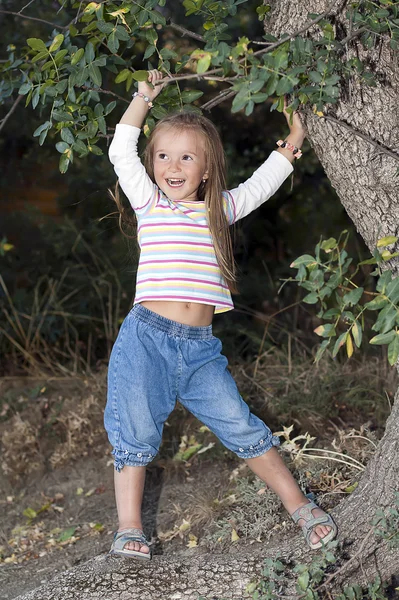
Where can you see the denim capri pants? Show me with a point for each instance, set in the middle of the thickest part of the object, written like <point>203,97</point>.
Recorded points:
<point>154,363</point>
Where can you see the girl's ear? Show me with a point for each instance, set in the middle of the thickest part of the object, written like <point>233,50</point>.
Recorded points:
<point>205,176</point>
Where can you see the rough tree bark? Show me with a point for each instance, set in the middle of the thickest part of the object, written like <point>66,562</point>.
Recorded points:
<point>364,179</point>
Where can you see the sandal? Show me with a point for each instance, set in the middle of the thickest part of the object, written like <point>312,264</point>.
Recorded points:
<point>305,512</point>
<point>121,538</point>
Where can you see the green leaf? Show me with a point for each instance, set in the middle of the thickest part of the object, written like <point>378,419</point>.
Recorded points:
<point>159,112</point>
<point>109,108</point>
<point>331,313</point>
<point>149,52</point>
<point>67,135</point>
<point>43,136</point>
<point>60,56</point>
<point>353,297</point>
<point>151,36</point>
<point>203,63</point>
<point>386,241</point>
<point>40,56</point>
<point>41,128</point>
<point>339,343</point>
<point>95,150</point>
<point>95,74</point>
<point>25,88</point>
<point>385,319</point>
<point>105,27</point>
<point>311,298</point>
<point>326,330</point>
<point>113,43</point>
<point>191,95</point>
<point>321,349</point>
<point>77,56</point>
<point>383,281</point>
<point>140,75</point>
<point>80,148</point>
<point>387,255</point>
<point>286,85</point>
<point>393,290</point>
<point>64,163</point>
<point>383,338</point>
<point>303,581</point>
<point>305,259</point>
<point>328,245</point>
<point>37,44</point>
<point>357,333</point>
<point>393,350</point>
<point>62,147</point>
<point>376,304</point>
<point>89,52</point>
<point>122,75</point>
<point>57,42</point>
<point>30,513</point>
<point>67,533</point>
<point>368,261</point>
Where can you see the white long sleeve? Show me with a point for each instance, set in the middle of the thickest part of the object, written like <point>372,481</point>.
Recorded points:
<point>133,178</point>
<point>265,181</point>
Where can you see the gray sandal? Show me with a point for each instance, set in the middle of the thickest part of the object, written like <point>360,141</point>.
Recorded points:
<point>305,513</point>
<point>121,538</point>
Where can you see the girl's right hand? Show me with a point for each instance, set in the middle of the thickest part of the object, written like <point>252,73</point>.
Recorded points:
<point>152,92</point>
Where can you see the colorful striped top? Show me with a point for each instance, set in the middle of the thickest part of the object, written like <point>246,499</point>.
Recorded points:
<point>177,258</point>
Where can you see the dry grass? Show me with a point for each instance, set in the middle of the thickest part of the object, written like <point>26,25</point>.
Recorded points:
<point>285,388</point>
<point>32,349</point>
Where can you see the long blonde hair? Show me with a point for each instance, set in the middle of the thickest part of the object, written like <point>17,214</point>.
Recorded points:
<point>210,191</point>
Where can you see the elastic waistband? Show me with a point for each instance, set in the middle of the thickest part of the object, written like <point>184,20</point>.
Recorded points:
<point>141,313</point>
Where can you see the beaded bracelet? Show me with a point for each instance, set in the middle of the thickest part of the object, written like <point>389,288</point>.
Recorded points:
<point>145,98</point>
<point>284,144</point>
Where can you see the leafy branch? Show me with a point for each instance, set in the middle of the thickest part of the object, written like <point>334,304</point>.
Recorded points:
<point>64,74</point>
<point>327,278</point>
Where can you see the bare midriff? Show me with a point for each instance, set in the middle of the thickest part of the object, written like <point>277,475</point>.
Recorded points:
<point>188,313</point>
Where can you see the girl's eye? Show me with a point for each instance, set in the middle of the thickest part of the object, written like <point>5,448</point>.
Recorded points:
<point>162,155</point>
<point>187,157</point>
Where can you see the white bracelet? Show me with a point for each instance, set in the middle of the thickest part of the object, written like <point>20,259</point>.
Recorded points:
<point>145,98</point>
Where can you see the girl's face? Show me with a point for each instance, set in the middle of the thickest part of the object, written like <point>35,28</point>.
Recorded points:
<point>179,163</point>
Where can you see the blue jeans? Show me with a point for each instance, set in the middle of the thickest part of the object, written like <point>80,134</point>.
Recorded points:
<point>154,363</point>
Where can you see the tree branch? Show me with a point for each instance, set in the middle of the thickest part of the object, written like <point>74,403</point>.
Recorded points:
<point>90,89</point>
<point>381,147</point>
<point>303,29</point>
<point>186,32</point>
<point>224,95</point>
<point>55,25</point>
<point>8,115</point>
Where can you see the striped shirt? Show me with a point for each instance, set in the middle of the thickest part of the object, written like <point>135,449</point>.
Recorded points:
<point>177,257</point>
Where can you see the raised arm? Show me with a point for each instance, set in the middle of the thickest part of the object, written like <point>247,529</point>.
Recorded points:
<point>133,178</point>
<point>269,176</point>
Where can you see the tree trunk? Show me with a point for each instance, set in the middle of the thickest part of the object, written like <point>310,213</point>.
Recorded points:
<point>364,179</point>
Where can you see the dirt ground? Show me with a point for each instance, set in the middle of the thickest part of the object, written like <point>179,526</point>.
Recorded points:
<point>57,505</point>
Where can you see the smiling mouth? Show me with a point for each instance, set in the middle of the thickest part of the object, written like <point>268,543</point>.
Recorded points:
<point>175,182</point>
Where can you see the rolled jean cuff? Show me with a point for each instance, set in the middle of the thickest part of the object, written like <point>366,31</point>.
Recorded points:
<point>124,458</point>
<point>260,448</point>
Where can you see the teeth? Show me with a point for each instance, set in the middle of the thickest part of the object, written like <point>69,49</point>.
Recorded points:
<point>175,181</point>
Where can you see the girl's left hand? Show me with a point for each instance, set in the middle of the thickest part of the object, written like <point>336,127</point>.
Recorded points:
<point>296,125</point>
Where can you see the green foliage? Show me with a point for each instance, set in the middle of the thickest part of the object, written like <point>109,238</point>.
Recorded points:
<point>329,279</point>
<point>311,578</point>
<point>63,75</point>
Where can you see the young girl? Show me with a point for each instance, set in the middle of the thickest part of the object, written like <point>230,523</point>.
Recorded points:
<point>165,350</point>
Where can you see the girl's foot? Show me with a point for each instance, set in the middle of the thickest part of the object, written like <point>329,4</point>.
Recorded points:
<point>131,542</point>
<point>317,525</point>
<point>137,546</point>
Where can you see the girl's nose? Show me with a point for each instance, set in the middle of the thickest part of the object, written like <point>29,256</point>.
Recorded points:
<point>175,166</point>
